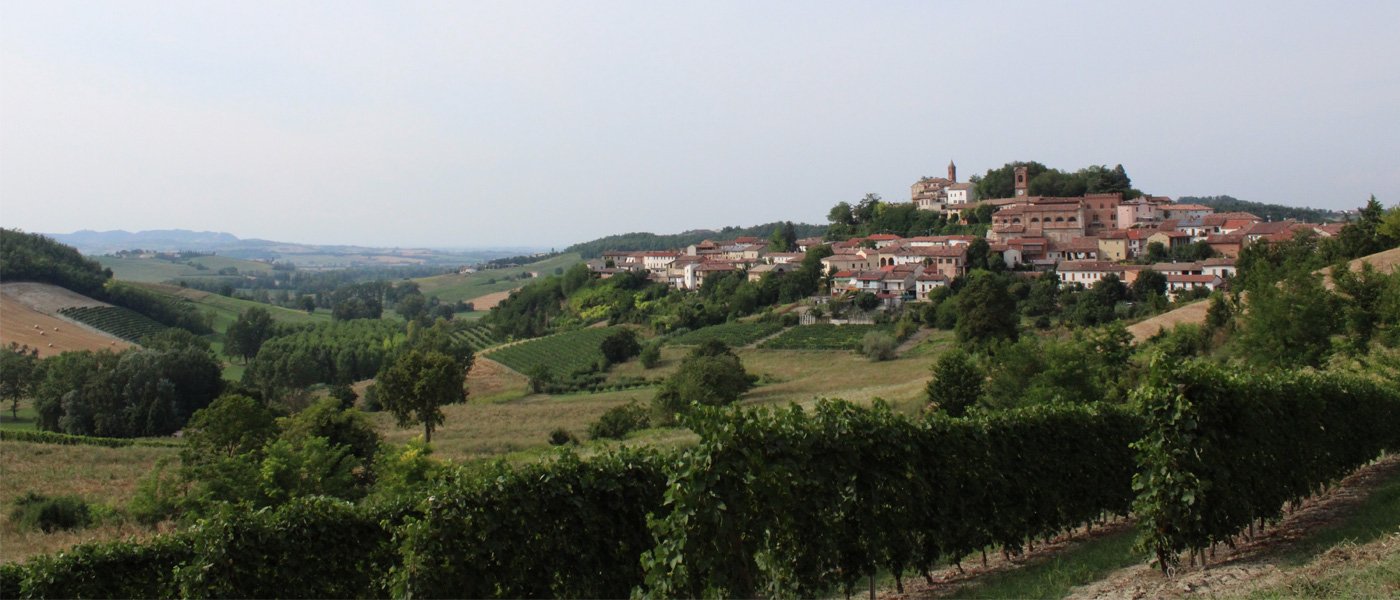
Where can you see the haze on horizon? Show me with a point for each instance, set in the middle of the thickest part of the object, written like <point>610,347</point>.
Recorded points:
<point>543,124</point>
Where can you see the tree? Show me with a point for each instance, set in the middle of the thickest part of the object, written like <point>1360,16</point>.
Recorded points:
<point>308,303</point>
<point>783,239</point>
<point>956,383</point>
<point>1289,325</point>
<point>17,365</point>
<point>620,345</point>
<point>412,306</point>
<point>245,336</point>
<point>711,375</point>
<point>977,253</point>
<point>417,385</point>
<point>878,346</point>
<point>1156,252</point>
<point>986,311</point>
<point>867,301</point>
<point>1149,283</point>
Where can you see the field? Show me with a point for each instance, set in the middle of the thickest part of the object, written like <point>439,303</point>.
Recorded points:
<point>562,353</point>
<point>124,323</point>
<point>478,336</point>
<point>736,335</point>
<point>823,337</point>
<point>106,476</point>
<point>155,270</point>
<point>453,287</point>
<point>18,324</point>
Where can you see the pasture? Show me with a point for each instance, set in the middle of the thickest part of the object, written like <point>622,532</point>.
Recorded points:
<point>156,270</point>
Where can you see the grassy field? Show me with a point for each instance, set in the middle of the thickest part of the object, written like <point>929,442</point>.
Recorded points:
<point>153,270</point>
<point>454,287</point>
<point>106,476</point>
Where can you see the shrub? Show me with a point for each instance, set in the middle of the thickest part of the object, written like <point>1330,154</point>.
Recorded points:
<point>788,319</point>
<point>620,346</point>
<point>49,514</point>
<point>562,437</point>
<point>619,421</point>
<point>651,355</point>
<point>878,346</point>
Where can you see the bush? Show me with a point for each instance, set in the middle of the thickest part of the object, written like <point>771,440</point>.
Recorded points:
<point>562,437</point>
<point>49,514</point>
<point>788,319</point>
<point>878,346</point>
<point>620,346</point>
<point>651,355</point>
<point>619,421</point>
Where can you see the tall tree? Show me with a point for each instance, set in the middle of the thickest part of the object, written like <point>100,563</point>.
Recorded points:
<point>986,311</point>
<point>17,374</point>
<point>245,336</point>
<point>956,383</point>
<point>417,385</point>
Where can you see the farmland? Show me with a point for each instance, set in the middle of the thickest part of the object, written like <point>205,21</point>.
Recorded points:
<point>562,353</point>
<point>736,334</point>
<point>124,323</point>
<point>454,287</point>
<point>155,270</point>
<point>823,337</point>
<point>478,336</point>
<point>49,334</point>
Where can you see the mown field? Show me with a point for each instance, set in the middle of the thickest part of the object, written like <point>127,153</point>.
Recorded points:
<point>454,287</point>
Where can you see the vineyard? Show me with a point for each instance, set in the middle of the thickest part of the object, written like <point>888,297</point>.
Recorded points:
<point>561,353</point>
<point>124,323</point>
<point>823,336</point>
<point>478,335</point>
<point>736,335</point>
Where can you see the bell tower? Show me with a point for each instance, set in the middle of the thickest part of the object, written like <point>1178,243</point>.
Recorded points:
<point>1021,181</point>
<point>952,172</point>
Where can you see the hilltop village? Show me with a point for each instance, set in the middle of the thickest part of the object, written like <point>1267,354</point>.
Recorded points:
<point>1083,239</point>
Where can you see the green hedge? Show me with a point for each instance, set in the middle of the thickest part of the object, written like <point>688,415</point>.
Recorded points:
<point>101,570</point>
<point>564,529</point>
<point>1225,448</point>
<point>49,437</point>
<point>779,503</point>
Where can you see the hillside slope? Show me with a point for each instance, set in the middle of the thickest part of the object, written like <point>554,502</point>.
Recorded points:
<point>1195,313</point>
<point>29,316</point>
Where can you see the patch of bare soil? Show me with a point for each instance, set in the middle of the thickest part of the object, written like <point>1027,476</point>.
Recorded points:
<point>1167,321</point>
<point>50,334</point>
<point>45,298</point>
<point>1251,564</point>
<point>489,301</point>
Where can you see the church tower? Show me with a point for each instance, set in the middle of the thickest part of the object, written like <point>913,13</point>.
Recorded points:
<point>952,172</point>
<point>1021,181</point>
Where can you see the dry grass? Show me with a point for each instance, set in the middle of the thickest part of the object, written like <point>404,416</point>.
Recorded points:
<point>53,334</point>
<point>99,475</point>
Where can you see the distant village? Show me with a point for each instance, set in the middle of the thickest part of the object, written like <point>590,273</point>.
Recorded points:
<point>1082,239</point>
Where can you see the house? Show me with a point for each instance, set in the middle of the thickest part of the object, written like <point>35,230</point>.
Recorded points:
<point>1228,222</point>
<point>782,258</point>
<point>1031,248</point>
<point>806,244</point>
<point>1223,268</point>
<point>1271,230</point>
<point>1181,283</point>
<point>658,261</point>
<point>883,239</point>
<point>926,282</point>
<point>758,271</point>
<point>931,193</point>
<point>1087,272</point>
<point>1188,214</point>
<point>1177,268</point>
<point>699,272</point>
<point>1226,244</point>
<point>847,262</point>
<point>1113,245</point>
<point>1170,240</point>
<point>939,240</point>
<point>951,261</point>
<point>1081,248</point>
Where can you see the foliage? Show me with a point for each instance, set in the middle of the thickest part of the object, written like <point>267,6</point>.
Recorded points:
<point>1268,212</point>
<point>956,383</point>
<point>620,345</point>
<point>651,355</point>
<point>50,514</point>
<point>245,336</point>
<point>791,503</point>
<point>562,437</point>
<point>135,393</point>
<point>873,215</point>
<point>63,439</point>
<point>337,352</point>
<point>1091,367</point>
<point>1224,448</point>
<point>1045,181</point>
<point>501,534</point>
<point>17,366</point>
<point>167,310</point>
<point>417,385</point>
<point>711,375</point>
<point>33,257</point>
<point>619,421</point>
<point>1290,324</point>
<point>878,346</point>
<point>986,311</point>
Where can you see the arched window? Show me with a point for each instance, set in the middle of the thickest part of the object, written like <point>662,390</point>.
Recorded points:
<point>1074,219</point>
<point>1059,219</point>
<point>1035,219</point>
<point>1016,221</point>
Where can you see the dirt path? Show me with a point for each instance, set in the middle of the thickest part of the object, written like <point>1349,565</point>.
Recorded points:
<point>914,340</point>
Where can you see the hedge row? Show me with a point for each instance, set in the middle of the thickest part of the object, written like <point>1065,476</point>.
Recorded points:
<point>1226,448</point>
<point>50,437</point>
<point>564,529</point>
<point>791,503</point>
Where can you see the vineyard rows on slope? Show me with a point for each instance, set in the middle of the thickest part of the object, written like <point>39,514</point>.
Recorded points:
<point>562,353</point>
<point>124,323</point>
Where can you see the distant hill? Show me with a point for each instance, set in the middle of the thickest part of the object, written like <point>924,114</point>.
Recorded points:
<point>308,255</point>
<point>1268,212</point>
<point>636,242</point>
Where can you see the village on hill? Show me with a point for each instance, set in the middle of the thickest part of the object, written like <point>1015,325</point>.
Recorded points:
<point>1081,238</point>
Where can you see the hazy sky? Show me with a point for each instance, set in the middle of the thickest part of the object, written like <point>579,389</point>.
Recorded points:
<point>471,123</point>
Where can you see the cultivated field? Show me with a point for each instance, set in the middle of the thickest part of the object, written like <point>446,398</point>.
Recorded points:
<point>824,336</point>
<point>155,270</point>
<point>29,316</point>
<point>562,353</point>
<point>736,335</point>
<point>453,287</point>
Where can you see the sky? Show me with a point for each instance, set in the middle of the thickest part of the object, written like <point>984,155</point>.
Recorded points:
<point>476,123</point>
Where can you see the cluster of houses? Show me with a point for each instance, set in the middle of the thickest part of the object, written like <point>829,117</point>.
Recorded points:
<point>1083,239</point>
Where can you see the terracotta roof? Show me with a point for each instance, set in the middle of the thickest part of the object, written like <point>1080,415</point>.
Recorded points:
<point>1187,207</point>
<point>1218,262</point>
<point>932,276</point>
<point>1089,265</point>
<point>1193,279</point>
<point>881,237</point>
<point>1175,266</point>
